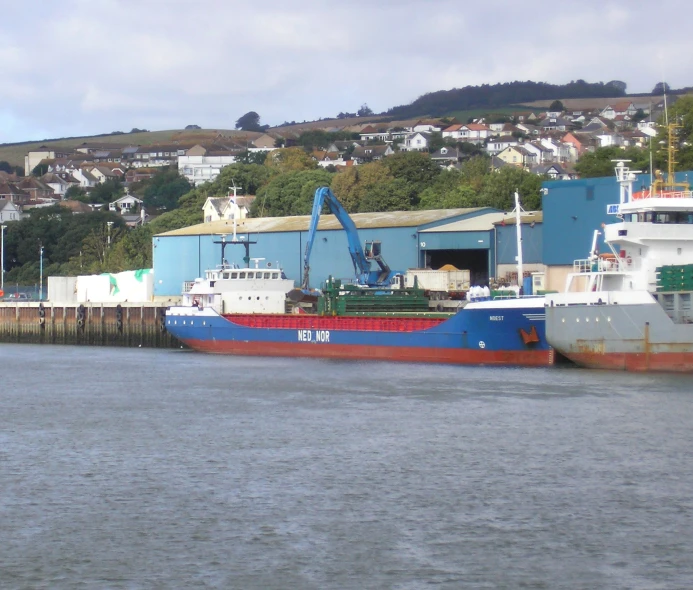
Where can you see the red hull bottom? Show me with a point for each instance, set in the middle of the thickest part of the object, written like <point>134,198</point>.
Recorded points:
<point>526,358</point>
<point>661,362</point>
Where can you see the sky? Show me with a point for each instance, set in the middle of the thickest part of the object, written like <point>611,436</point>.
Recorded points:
<point>84,67</point>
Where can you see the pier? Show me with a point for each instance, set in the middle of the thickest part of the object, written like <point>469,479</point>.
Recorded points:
<point>92,324</point>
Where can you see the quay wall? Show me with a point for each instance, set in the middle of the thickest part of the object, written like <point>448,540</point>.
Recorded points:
<point>92,324</point>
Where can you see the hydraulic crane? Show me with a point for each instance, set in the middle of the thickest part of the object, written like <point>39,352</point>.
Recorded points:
<point>361,259</point>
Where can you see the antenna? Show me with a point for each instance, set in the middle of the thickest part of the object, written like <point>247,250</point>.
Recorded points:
<point>232,199</point>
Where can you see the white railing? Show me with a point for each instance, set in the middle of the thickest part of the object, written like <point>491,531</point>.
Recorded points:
<point>187,286</point>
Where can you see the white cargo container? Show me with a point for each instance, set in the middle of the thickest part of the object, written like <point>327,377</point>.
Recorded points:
<point>439,283</point>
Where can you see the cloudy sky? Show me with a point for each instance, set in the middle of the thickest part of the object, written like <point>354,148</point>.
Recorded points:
<point>80,67</point>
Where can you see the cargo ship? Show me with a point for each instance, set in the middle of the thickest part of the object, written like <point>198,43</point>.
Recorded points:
<point>630,309</point>
<point>259,311</point>
<point>353,323</point>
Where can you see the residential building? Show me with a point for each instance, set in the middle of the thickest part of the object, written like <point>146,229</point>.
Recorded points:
<point>200,165</point>
<point>517,155</point>
<point>227,208</point>
<point>125,204</point>
<point>369,153</point>
<point>498,144</point>
<point>9,211</point>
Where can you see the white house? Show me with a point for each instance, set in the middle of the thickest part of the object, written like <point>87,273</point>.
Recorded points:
<point>498,144</point>
<point>9,211</point>
<point>416,142</point>
<point>471,132</point>
<point>125,204</point>
<point>227,208</point>
<point>199,165</point>
<point>84,177</point>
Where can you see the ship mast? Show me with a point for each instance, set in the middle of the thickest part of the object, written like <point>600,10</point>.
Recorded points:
<point>518,236</point>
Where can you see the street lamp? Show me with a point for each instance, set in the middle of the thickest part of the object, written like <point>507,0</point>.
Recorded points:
<point>41,272</point>
<point>2,273</point>
<point>109,223</point>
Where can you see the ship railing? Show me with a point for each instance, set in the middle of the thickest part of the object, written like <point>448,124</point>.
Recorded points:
<point>648,194</point>
<point>187,286</point>
<point>590,265</point>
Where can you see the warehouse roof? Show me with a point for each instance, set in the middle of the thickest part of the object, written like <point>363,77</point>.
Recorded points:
<point>478,223</point>
<point>327,222</point>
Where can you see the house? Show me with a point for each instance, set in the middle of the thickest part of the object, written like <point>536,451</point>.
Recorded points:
<point>227,208</point>
<point>200,165</point>
<point>325,158</point>
<point>542,154</point>
<point>426,127</point>
<point>85,178</point>
<point>517,155</point>
<point>11,192</point>
<point>553,171</point>
<point>9,211</point>
<point>158,155</point>
<point>369,153</point>
<point>265,141</point>
<point>610,139</point>
<point>104,173</point>
<point>139,174</point>
<point>624,107</point>
<point>416,142</point>
<point>498,144</point>
<point>556,124</point>
<point>125,204</point>
<point>370,133</point>
<point>581,143</point>
<point>58,183</point>
<point>139,219</point>
<point>471,132</point>
<point>447,155</point>
<point>528,128</point>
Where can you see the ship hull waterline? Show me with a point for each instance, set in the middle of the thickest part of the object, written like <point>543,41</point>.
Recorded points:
<point>528,358</point>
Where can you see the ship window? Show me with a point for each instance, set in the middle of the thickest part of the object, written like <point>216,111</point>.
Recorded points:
<point>226,275</point>
<point>241,275</point>
<point>251,275</point>
<point>268,275</point>
<point>275,275</point>
<point>234,275</point>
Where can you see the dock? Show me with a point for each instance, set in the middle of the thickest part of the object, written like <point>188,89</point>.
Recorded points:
<point>89,324</point>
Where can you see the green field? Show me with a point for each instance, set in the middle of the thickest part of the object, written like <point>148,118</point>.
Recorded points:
<point>14,154</point>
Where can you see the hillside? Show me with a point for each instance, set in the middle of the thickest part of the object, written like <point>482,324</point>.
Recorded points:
<point>14,153</point>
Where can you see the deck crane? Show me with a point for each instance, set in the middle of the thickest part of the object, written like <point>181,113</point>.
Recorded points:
<point>361,259</point>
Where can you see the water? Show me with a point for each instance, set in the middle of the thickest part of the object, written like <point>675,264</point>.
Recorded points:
<point>132,468</point>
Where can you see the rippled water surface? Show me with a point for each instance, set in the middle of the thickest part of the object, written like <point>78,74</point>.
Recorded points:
<point>130,468</point>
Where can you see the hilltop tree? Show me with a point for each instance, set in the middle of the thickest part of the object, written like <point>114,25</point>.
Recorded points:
<point>249,122</point>
<point>365,111</point>
<point>6,167</point>
<point>39,169</point>
<point>556,107</point>
<point>660,88</point>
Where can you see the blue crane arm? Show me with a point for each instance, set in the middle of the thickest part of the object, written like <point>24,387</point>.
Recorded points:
<point>325,196</point>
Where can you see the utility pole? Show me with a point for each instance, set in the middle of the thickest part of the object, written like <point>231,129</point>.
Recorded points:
<point>2,274</point>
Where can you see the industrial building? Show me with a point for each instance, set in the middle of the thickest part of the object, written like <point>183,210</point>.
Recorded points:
<point>481,240</point>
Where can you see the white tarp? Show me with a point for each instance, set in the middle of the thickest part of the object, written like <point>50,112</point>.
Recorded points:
<point>135,286</point>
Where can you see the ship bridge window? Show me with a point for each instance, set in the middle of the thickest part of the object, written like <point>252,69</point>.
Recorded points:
<point>251,275</point>
<point>226,275</point>
<point>241,275</point>
<point>268,275</point>
<point>234,275</point>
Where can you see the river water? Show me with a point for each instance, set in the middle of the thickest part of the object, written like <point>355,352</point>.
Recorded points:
<point>134,468</point>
